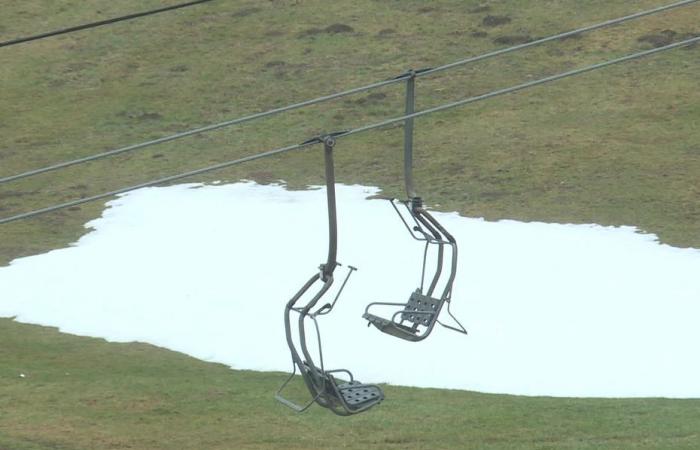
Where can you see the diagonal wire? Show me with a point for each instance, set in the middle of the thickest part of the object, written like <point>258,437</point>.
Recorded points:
<point>555,37</point>
<point>362,129</point>
<point>340,94</point>
<point>195,131</point>
<point>100,23</point>
<point>527,85</point>
<point>180,176</point>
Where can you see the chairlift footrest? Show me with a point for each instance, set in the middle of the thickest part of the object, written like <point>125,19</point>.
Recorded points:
<point>390,327</point>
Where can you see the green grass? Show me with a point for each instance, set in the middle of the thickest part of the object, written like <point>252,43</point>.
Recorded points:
<point>81,393</point>
<point>615,147</point>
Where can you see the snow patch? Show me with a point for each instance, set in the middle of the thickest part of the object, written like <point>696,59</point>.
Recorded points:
<point>551,309</point>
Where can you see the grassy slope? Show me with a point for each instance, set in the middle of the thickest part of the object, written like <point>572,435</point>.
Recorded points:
<point>81,393</point>
<point>615,147</point>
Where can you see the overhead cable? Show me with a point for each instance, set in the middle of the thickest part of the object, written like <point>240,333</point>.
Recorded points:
<point>529,84</point>
<point>555,37</point>
<point>158,181</point>
<point>192,132</point>
<point>99,23</point>
<point>362,129</point>
<point>325,98</point>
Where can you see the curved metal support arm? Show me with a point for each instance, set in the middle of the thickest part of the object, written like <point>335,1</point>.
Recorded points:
<point>439,226</point>
<point>341,399</point>
<point>328,268</point>
<point>453,262</point>
<point>408,134</point>
<point>302,330</point>
<point>418,215</point>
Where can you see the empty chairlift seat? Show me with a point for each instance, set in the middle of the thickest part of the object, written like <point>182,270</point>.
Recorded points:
<point>415,319</point>
<point>337,389</point>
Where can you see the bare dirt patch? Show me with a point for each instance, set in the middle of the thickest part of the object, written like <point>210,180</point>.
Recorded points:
<point>659,39</point>
<point>573,37</point>
<point>141,116</point>
<point>335,28</point>
<point>339,28</point>
<point>495,21</point>
<point>374,97</point>
<point>513,40</point>
<point>245,12</point>
<point>479,9</point>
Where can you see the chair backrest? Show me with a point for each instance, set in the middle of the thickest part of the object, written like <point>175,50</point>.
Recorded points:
<point>421,309</point>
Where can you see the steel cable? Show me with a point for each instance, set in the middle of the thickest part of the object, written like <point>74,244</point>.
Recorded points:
<point>362,129</point>
<point>339,94</point>
<point>100,23</point>
<point>192,132</point>
<point>529,84</point>
<point>555,37</point>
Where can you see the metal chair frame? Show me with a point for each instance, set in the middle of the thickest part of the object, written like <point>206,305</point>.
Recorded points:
<point>426,228</point>
<point>421,322</point>
<point>343,398</point>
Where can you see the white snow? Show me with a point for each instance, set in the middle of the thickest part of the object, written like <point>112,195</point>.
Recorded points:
<point>561,310</point>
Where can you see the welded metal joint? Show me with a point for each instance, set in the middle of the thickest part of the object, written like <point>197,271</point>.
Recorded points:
<point>416,204</point>
<point>411,73</point>
<point>322,138</point>
<point>329,142</point>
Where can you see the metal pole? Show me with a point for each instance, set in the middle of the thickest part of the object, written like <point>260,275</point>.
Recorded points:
<point>408,135</point>
<point>329,267</point>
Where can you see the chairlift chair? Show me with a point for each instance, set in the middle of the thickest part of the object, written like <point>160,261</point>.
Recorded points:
<point>415,319</point>
<point>337,389</point>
